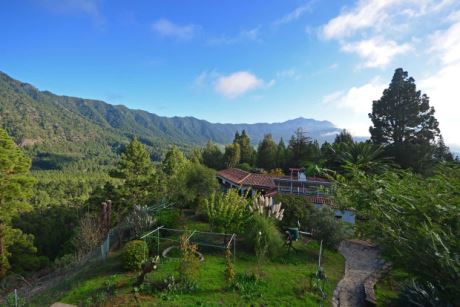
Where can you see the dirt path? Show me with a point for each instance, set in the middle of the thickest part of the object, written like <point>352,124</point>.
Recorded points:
<point>361,260</point>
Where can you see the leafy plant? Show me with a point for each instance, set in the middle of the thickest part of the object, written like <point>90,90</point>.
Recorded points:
<point>189,263</point>
<point>229,268</point>
<point>228,212</point>
<point>263,235</point>
<point>421,294</point>
<point>168,218</point>
<point>248,285</point>
<point>110,285</point>
<point>11,301</point>
<point>64,261</point>
<point>134,254</point>
<point>414,219</point>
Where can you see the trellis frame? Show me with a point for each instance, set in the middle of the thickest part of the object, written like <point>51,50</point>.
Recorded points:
<point>228,245</point>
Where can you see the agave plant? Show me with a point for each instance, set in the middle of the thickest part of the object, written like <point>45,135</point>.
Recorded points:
<point>265,206</point>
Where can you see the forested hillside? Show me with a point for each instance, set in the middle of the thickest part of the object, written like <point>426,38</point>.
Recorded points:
<point>60,130</point>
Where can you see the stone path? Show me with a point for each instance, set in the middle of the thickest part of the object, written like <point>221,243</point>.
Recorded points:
<point>361,262</point>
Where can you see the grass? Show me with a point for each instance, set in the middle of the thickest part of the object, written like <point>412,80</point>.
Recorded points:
<point>285,281</point>
<point>388,287</point>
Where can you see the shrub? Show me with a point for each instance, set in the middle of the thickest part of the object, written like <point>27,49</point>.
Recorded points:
<point>264,236</point>
<point>326,227</point>
<point>64,261</point>
<point>134,254</point>
<point>296,208</point>
<point>168,218</point>
<point>228,212</point>
<point>421,294</point>
<point>320,221</point>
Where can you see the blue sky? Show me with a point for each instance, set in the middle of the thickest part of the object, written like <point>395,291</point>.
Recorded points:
<point>238,61</point>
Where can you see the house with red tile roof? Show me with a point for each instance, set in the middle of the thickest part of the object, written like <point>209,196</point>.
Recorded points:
<point>314,189</point>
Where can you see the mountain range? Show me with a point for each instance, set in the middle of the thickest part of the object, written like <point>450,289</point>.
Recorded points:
<point>47,125</point>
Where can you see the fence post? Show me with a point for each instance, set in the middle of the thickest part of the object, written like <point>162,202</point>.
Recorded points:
<point>15,297</point>
<point>158,241</point>
<point>320,252</point>
<point>234,247</point>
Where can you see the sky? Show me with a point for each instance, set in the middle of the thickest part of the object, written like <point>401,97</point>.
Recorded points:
<point>238,61</point>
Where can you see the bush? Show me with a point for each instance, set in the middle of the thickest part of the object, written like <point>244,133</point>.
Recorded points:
<point>296,208</point>
<point>168,218</point>
<point>228,212</point>
<point>134,254</point>
<point>326,227</point>
<point>263,234</point>
<point>320,221</point>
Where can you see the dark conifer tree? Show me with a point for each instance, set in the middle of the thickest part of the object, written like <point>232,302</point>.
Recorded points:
<point>247,151</point>
<point>403,119</point>
<point>266,153</point>
<point>15,190</point>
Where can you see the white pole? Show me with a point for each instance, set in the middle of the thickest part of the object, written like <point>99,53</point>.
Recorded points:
<point>320,252</point>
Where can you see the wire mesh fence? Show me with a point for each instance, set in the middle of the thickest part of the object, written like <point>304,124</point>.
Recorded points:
<point>162,238</point>
<point>38,283</point>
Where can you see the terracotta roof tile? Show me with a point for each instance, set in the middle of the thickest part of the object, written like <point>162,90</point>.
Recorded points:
<point>259,180</point>
<point>233,174</point>
<point>240,177</point>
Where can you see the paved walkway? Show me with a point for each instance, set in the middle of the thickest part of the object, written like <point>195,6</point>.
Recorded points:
<point>361,260</point>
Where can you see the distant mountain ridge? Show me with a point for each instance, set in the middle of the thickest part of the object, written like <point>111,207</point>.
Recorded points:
<point>43,121</point>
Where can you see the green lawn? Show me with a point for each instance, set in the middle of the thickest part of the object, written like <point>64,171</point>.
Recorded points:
<point>285,281</point>
<point>387,289</point>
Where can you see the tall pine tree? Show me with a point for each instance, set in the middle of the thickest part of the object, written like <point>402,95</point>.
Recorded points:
<point>136,169</point>
<point>266,153</point>
<point>15,190</point>
<point>281,155</point>
<point>232,155</point>
<point>247,152</point>
<point>299,149</point>
<point>403,119</point>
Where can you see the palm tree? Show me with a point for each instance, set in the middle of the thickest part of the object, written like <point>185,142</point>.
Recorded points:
<point>364,156</point>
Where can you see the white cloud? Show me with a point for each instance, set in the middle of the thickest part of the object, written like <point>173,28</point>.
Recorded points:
<point>356,104</point>
<point>165,27</point>
<point>442,88</point>
<point>379,30</point>
<point>333,97</point>
<point>366,14</point>
<point>88,7</point>
<point>251,34</point>
<point>376,51</point>
<point>290,73</point>
<point>204,78</point>
<point>358,98</point>
<point>447,43</point>
<point>239,83</point>
<point>244,35</point>
<point>294,14</point>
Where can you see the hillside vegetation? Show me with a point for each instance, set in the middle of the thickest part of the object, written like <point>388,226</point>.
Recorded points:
<point>59,130</point>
